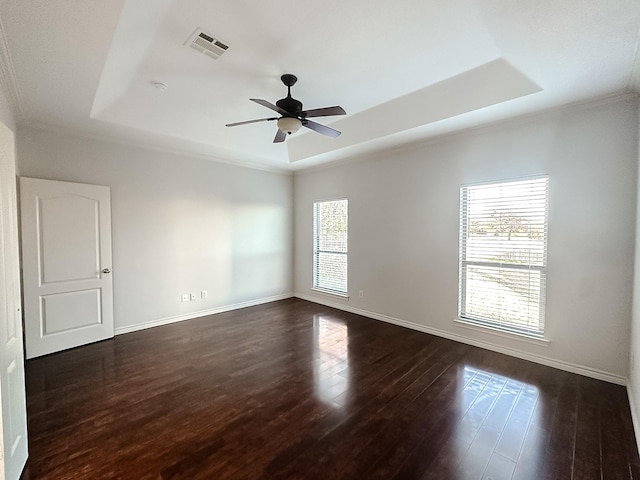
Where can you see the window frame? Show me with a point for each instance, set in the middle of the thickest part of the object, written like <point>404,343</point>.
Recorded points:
<point>500,326</point>
<point>316,251</point>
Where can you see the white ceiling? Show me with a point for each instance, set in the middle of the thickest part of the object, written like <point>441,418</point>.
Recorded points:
<point>403,71</point>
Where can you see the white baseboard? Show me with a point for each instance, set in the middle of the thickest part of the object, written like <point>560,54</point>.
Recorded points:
<point>634,415</point>
<point>550,362</point>
<point>200,313</point>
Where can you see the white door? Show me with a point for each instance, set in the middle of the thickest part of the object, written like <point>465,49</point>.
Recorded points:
<point>66,263</point>
<point>13,453</point>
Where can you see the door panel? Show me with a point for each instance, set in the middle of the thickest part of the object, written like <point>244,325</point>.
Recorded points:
<point>62,218</point>
<point>70,311</point>
<point>66,250</point>
<point>14,398</point>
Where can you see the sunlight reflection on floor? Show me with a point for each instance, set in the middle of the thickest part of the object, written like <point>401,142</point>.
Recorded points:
<point>498,414</point>
<point>331,360</point>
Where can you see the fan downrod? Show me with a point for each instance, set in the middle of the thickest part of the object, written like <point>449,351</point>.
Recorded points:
<point>289,104</point>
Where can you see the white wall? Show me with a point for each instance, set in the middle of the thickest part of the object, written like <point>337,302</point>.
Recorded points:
<point>179,224</point>
<point>403,230</point>
<point>633,387</point>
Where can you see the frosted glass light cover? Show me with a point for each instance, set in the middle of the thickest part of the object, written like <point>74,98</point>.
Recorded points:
<point>289,125</point>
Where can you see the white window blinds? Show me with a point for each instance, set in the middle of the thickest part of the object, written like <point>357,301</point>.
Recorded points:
<point>330,229</point>
<point>503,255</point>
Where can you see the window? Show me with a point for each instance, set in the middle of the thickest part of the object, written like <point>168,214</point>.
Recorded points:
<point>503,255</point>
<point>330,246</point>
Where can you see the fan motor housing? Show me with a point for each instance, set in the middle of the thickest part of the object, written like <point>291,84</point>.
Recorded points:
<point>290,104</point>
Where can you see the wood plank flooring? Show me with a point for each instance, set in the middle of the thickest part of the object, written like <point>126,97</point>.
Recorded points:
<point>296,390</point>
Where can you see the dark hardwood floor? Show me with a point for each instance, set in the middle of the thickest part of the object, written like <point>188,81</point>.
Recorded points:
<point>295,390</point>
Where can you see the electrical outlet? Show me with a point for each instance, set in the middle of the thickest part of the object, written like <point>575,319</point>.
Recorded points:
<point>203,294</point>
<point>193,297</point>
<point>361,293</point>
<point>185,297</point>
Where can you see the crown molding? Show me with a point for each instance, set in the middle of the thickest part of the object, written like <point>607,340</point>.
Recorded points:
<point>115,140</point>
<point>519,119</point>
<point>8,78</point>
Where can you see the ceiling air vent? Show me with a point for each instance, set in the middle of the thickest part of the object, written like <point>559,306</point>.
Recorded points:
<point>207,44</point>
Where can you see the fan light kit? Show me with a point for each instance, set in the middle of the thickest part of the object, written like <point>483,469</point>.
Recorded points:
<point>289,124</point>
<point>292,117</point>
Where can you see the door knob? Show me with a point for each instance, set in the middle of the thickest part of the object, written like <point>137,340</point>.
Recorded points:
<point>106,270</point>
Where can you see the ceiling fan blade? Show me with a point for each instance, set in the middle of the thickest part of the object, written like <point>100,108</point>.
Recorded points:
<point>250,121</point>
<point>323,112</point>
<point>323,129</point>
<point>280,136</point>
<point>270,105</point>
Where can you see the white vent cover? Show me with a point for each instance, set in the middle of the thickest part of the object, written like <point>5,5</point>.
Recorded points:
<point>207,44</point>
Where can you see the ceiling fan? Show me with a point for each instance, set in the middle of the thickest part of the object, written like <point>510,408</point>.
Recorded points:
<point>292,117</point>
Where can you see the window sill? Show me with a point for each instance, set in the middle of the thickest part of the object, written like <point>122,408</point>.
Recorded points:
<point>502,333</point>
<point>331,293</point>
